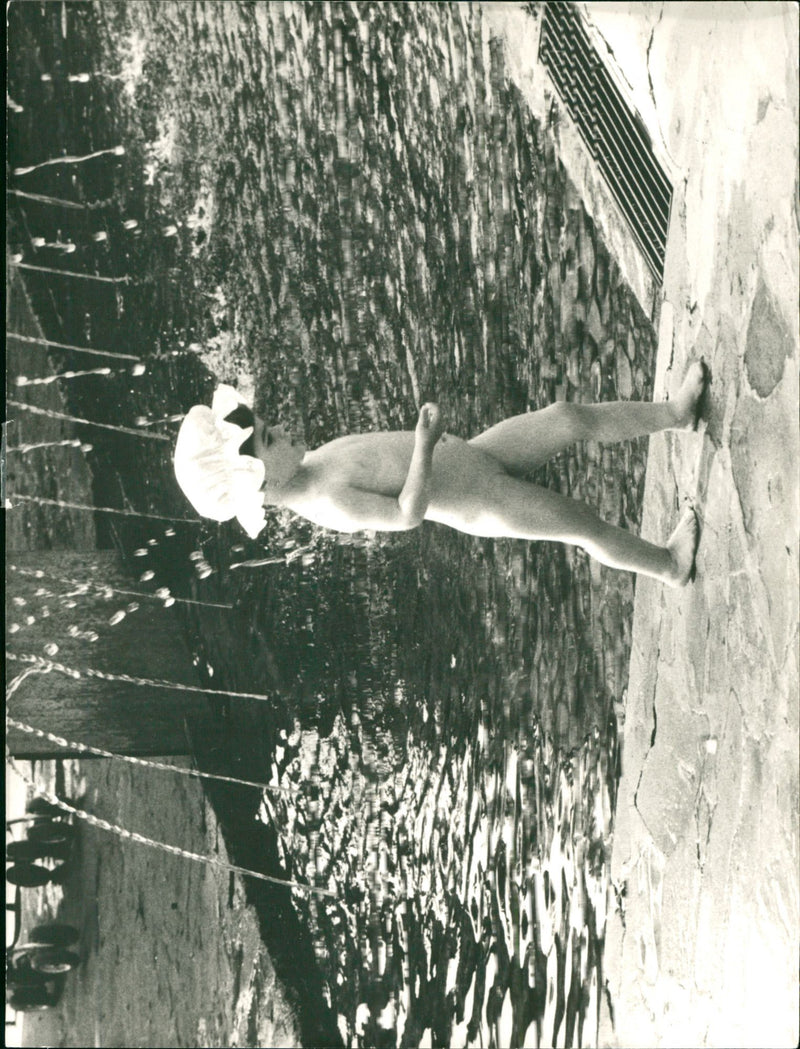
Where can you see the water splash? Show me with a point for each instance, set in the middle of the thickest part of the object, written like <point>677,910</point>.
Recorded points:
<point>85,748</point>
<point>131,679</point>
<point>84,587</point>
<point>40,341</point>
<point>65,505</point>
<point>116,151</point>
<point>15,261</point>
<point>68,247</point>
<point>83,78</point>
<point>144,421</point>
<point>52,414</point>
<point>300,553</point>
<point>57,201</point>
<point>45,380</point>
<point>73,442</point>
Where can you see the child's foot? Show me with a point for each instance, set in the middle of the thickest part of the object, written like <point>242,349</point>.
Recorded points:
<point>688,400</point>
<point>682,547</point>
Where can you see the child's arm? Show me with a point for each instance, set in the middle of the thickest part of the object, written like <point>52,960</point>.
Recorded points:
<point>354,509</point>
<point>415,496</point>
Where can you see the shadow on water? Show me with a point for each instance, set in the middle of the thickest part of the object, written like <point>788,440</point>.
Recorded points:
<point>352,203</point>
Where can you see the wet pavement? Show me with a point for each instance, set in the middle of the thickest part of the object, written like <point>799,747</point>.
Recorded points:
<point>171,952</point>
<point>706,836</point>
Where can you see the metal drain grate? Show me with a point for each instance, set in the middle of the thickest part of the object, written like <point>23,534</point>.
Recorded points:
<point>614,134</point>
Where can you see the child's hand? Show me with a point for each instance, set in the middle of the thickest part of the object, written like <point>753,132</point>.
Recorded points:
<point>430,427</point>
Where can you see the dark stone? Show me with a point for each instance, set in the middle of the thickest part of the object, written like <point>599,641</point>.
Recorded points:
<point>768,343</point>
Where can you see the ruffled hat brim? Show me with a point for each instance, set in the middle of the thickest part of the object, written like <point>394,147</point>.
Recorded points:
<point>215,477</point>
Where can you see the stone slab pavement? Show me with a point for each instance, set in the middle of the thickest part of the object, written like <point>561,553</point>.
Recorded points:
<point>706,834</point>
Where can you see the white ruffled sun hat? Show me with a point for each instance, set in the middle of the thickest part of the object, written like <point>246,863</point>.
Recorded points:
<point>215,477</point>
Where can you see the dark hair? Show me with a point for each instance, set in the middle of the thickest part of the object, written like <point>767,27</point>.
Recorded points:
<point>244,417</point>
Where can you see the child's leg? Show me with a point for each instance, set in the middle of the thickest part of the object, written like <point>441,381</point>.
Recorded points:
<point>515,509</point>
<point>524,442</point>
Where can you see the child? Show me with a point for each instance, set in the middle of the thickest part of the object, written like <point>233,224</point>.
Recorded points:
<point>396,480</point>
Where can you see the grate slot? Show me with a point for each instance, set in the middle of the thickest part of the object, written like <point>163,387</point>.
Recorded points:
<point>646,196</point>
<point>614,134</point>
<point>618,119</point>
<point>570,20</point>
<point>605,122</point>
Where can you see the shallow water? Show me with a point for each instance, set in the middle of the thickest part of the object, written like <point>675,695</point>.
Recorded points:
<point>365,216</point>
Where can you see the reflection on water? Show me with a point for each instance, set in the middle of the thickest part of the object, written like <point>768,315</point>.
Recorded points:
<point>473,887</point>
<point>352,202</point>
